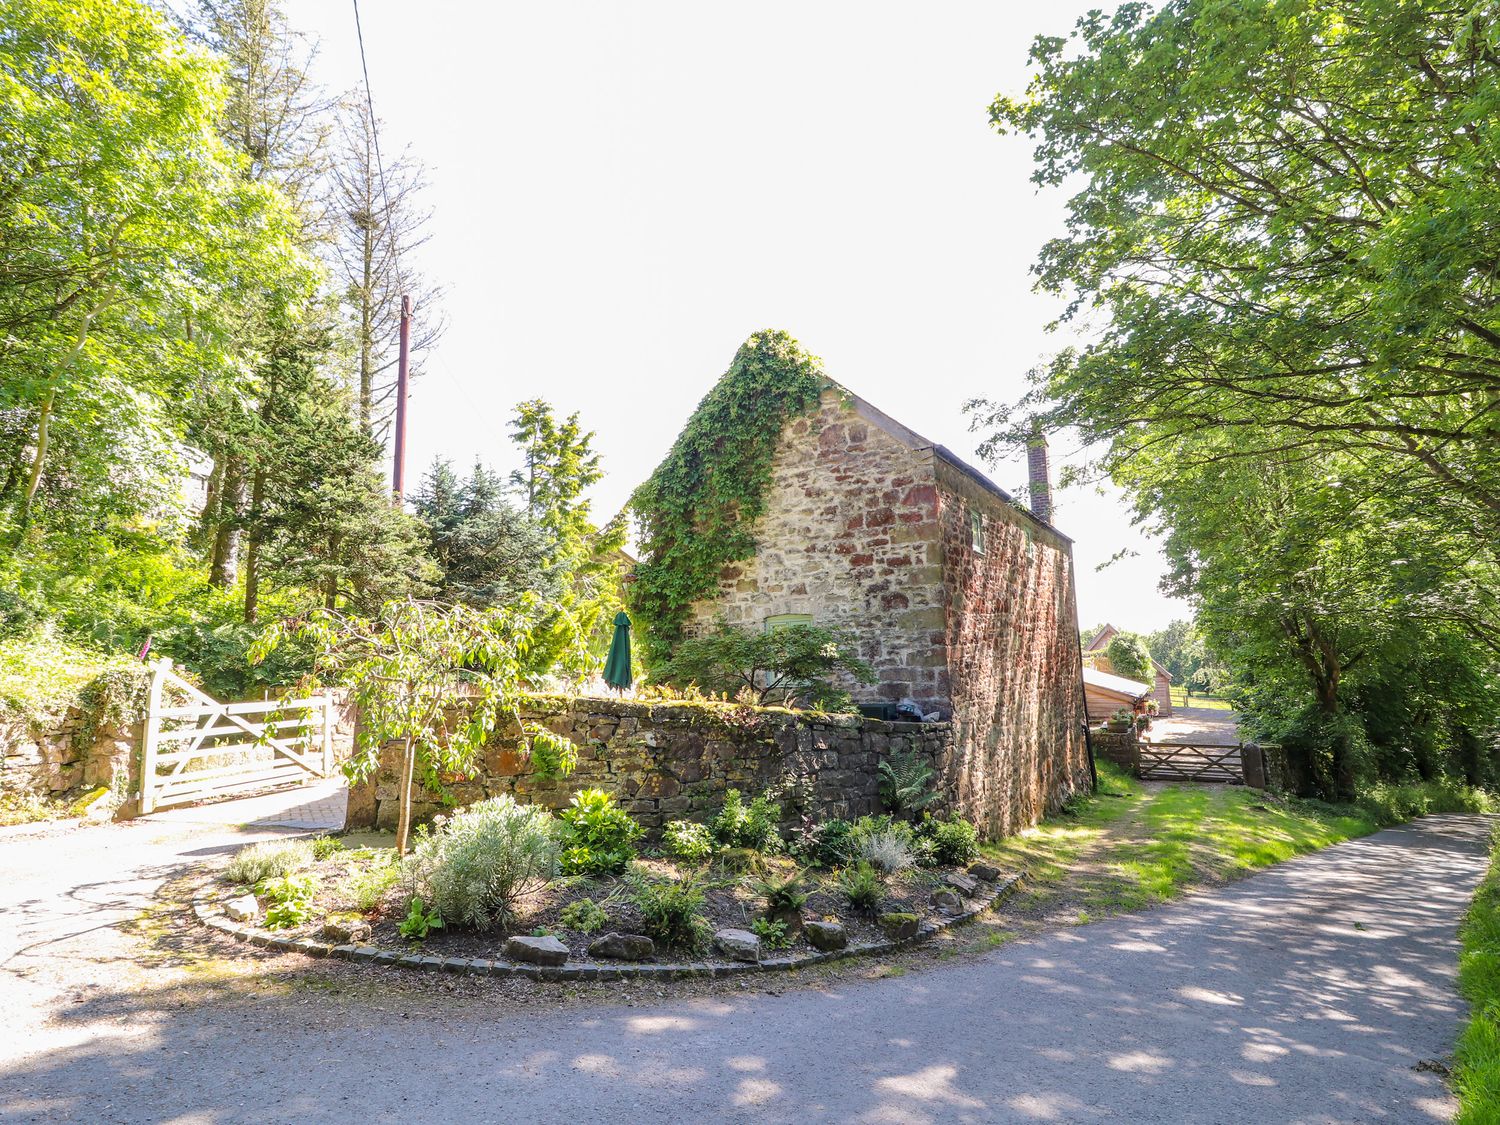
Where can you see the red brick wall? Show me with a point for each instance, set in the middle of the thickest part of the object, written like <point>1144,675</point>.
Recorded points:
<point>1012,629</point>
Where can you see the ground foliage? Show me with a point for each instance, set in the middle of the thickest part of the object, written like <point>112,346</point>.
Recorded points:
<point>697,511</point>
<point>1477,1075</point>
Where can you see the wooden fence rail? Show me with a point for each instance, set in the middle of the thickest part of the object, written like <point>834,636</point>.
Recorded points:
<point>197,748</point>
<point>1192,761</point>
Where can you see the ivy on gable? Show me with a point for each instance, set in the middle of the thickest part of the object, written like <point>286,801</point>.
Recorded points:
<point>696,514</point>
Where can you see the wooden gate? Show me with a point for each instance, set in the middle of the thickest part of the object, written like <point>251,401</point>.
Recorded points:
<point>1192,761</point>
<point>196,748</point>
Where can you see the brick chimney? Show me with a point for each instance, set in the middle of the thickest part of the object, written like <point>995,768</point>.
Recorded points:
<point>1041,476</point>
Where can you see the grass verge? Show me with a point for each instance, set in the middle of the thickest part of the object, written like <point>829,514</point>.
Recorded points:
<point>1477,1075</point>
<point>1131,845</point>
<point>1180,698</point>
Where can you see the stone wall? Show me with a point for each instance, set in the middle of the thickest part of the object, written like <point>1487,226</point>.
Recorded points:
<point>1013,659</point>
<point>849,535</point>
<point>1119,747</point>
<point>71,754</point>
<point>667,761</point>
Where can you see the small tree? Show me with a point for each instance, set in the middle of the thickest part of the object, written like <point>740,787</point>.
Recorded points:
<point>409,669</point>
<point>786,666</point>
<point>1130,658</point>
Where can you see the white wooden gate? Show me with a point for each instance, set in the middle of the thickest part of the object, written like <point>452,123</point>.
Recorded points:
<point>197,748</point>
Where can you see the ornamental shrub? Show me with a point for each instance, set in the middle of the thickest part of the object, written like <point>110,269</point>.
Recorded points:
<point>827,844</point>
<point>584,915</point>
<point>885,843</point>
<point>478,863</point>
<point>862,886</point>
<point>687,840</point>
<point>906,783</point>
<point>772,933</point>
<point>598,835</point>
<point>288,899</point>
<point>672,912</point>
<point>268,859</point>
<point>752,826</point>
<point>954,841</point>
<point>782,895</point>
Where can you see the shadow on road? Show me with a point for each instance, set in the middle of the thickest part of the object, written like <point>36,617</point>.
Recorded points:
<point>1307,993</point>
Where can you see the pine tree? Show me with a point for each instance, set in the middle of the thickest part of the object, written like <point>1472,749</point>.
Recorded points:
<point>487,551</point>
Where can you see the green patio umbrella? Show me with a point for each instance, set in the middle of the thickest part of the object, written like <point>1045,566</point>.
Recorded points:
<point>617,665</point>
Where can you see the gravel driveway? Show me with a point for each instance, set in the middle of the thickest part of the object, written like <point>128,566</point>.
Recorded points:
<point>1311,992</point>
<point>1199,725</point>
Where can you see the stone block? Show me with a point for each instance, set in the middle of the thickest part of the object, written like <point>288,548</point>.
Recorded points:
<point>623,947</point>
<point>737,945</point>
<point>536,950</point>
<point>898,926</point>
<point>825,936</point>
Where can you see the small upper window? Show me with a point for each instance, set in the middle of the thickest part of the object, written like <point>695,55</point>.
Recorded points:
<point>787,620</point>
<point>976,531</point>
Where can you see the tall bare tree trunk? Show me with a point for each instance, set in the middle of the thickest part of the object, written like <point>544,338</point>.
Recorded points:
<point>252,546</point>
<point>208,525</point>
<point>44,421</point>
<point>366,334</point>
<point>224,561</point>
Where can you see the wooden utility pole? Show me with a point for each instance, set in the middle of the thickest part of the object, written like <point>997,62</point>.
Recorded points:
<point>398,473</point>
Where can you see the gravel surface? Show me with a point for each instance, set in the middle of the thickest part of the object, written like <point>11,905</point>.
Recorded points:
<point>1311,992</point>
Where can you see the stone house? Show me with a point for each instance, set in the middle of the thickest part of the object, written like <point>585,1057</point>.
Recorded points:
<point>959,597</point>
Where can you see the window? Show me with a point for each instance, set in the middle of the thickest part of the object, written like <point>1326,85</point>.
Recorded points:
<point>787,620</point>
<point>976,531</point>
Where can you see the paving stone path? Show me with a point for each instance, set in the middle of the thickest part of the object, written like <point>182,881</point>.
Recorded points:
<point>1317,991</point>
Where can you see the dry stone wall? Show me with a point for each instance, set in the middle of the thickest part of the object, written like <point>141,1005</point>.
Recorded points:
<point>667,761</point>
<point>849,535</point>
<point>69,754</point>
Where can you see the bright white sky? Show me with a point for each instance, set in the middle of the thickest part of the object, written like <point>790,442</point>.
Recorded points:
<point>623,191</point>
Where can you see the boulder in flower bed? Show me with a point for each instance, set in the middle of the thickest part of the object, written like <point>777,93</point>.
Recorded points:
<point>965,885</point>
<point>825,936</point>
<point>899,926</point>
<point>536,950</point>
<point>346,931</point>
<point>243,909</point>
<point>737,945</point>
<point>623,947</point>
<point>947,901</point>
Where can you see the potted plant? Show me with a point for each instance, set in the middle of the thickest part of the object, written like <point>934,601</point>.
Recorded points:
<point>1120,721</point>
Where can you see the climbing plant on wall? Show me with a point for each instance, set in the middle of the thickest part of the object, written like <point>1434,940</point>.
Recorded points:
<point>697,511</point>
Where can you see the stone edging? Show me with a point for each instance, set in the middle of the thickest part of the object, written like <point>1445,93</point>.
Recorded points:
<point>211,915</point>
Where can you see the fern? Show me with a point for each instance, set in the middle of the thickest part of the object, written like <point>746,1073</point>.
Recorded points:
<point>906,784</point>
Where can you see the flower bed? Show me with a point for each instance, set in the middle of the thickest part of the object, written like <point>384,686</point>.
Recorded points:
<point>486,892</point>
<point>458,956</point>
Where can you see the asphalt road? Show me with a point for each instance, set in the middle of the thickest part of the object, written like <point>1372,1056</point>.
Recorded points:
<point>1308,993</point>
